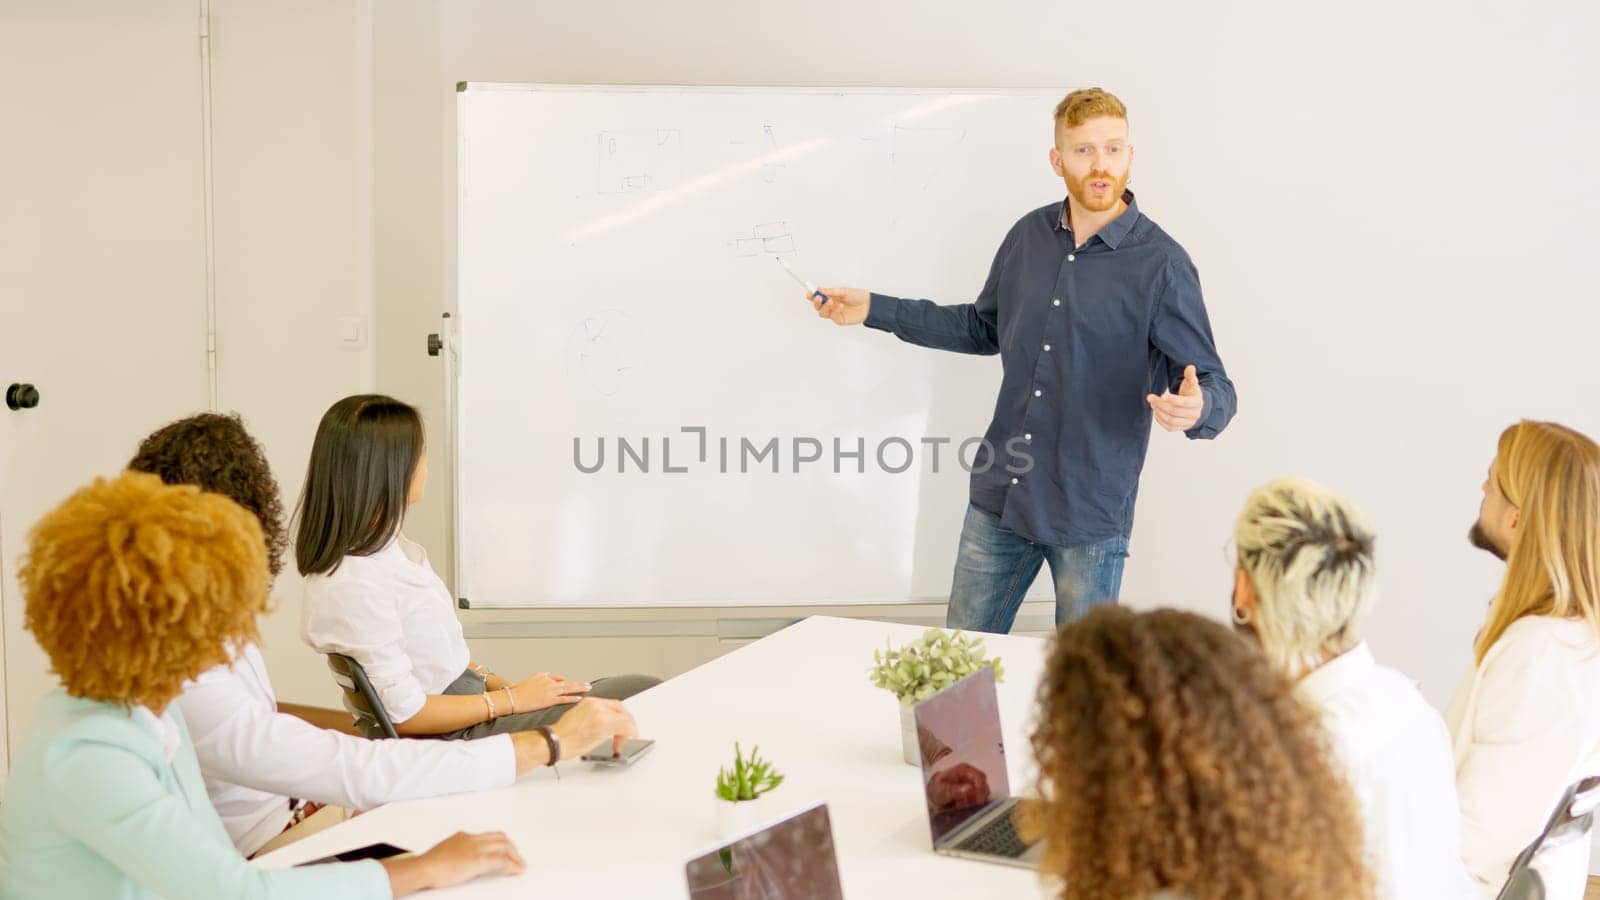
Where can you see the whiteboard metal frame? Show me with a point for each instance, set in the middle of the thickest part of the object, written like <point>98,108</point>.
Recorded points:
<point>728,623</point>
<point>463,87</point>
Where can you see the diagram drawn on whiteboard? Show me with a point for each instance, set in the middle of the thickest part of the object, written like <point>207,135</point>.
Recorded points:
<point>767,238</point>
<point>603,352</point>
<point>645,159</point>
<point>769,172</point>
<point>769,150</point>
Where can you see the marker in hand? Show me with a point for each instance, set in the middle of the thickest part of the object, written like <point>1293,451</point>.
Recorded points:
<point>811,289</point>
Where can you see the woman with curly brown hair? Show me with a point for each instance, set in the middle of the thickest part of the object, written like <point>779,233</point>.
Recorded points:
<point>1175,761</point>
<point>132,588</point>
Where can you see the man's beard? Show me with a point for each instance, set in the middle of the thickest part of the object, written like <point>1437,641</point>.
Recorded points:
<point>1481,540</point>
<point>1085,198</point>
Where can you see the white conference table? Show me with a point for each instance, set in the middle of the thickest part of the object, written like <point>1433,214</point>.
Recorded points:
<point>803,695</point>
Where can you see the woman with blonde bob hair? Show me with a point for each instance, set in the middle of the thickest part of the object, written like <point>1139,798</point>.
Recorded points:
<point>1176,762</point>
<point>1526,722</point>
<point>133,587</point>
<point>1306,575</point>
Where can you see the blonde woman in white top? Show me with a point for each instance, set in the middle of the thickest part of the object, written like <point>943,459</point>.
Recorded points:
<point>1526,722</point>
<point>371,594</point>
<point>1306,576</point>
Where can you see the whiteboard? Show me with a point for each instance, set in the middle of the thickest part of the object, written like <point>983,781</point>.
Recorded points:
<point>618,283</point>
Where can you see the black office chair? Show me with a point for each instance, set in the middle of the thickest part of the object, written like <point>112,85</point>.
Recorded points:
<point>360,699</point>
<point>1572,820</point>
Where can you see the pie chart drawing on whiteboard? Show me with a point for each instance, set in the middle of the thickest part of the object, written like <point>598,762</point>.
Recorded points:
<point>603,353</point>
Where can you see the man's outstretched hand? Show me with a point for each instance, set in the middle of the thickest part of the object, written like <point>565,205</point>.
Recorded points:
<point>845,306</point>
<point>1180,411</point>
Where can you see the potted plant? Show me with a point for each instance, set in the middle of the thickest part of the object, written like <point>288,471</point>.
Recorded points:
<point>740,790</point>
<point>923,668</point>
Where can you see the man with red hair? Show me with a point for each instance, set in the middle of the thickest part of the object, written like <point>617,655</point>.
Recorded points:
<point>1097,316</point>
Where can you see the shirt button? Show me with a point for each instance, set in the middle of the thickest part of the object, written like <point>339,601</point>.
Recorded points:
<point>1038,393</point>
<point>1047,348</point>
<point>1013,481</point>
<point>1070,257</point>
<point>1055,302</point>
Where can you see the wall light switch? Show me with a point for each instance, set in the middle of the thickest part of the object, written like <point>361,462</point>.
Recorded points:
<point>352,332</point>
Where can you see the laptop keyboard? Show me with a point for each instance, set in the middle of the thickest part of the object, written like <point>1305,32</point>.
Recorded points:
<point>998,837</point>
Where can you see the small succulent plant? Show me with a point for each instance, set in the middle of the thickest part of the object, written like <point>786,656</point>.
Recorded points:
<point>749,778</point>
<point>930,664</point>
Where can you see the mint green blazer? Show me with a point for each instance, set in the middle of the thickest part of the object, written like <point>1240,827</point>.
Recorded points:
<point>93,810</point>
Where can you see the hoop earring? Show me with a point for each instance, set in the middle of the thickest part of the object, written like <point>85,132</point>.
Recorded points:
<point>1240,617</point>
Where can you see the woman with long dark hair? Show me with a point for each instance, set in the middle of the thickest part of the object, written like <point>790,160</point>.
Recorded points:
<point>371,594</point>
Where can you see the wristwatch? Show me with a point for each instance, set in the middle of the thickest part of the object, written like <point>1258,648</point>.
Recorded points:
<point>555,745</point>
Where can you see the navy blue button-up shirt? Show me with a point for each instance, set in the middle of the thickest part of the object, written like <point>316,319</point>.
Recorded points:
<point>1084,334</point>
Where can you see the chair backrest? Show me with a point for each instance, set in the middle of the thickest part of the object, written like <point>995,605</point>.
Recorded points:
<point>359,697</point>
<point>1571,821</point>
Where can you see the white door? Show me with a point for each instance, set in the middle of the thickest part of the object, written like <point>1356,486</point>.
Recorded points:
<point>102,261</point>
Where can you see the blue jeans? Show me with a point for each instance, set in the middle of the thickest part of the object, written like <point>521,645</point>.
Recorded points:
<point>995,567</point>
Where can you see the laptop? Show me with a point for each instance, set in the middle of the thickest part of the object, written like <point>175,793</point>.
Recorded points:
<point>971,812</point>
<point>791,860</point>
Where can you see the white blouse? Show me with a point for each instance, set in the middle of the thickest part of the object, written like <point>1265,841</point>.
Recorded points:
<point>390,613</point>
<point>1396,756</point>
<point>1526,725</point>
<point>254,758</point>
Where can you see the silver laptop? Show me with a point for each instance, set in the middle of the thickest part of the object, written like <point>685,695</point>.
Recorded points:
<point>970,808</point>
<point>791,860</point>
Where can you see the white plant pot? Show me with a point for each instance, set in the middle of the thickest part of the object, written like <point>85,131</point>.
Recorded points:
<point>910,748</point>
<point>734,819</point>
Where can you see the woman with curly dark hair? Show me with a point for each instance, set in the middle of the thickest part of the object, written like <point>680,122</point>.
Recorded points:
<point>215,453</point>
<point>1176,761</point>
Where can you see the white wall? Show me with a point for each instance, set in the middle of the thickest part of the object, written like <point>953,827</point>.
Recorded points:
<point>102,287</point>
<point>292,99</point>
<point>293,160</point>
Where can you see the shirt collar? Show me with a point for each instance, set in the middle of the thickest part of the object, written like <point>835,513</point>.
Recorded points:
<point>401,546</point>
<point>1336,674</point>
<point>1116,230</point>
<point>163,727</point>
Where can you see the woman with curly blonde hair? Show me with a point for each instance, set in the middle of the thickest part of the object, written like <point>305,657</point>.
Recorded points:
<point>1175,761</point>
<point>132,588</point>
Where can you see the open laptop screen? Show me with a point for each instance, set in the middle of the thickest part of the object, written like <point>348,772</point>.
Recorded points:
<point>791,859</point>
<point>963,754</point>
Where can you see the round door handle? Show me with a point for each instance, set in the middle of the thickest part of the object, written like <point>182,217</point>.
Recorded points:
<point>22,396</point>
